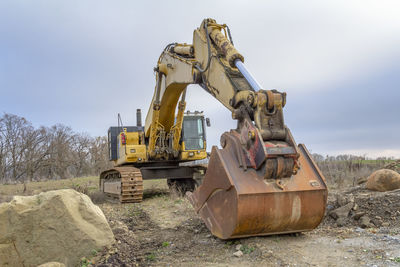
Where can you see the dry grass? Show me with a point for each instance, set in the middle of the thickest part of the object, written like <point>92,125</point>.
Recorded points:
<point>86,185</point>
<point>341,174</point>
<point>34,188</point>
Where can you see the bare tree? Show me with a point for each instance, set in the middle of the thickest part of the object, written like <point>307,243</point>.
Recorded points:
<point>15,129</point>
<point>57,152</point>
<point>317,157</point>
<point>59,161</point>
<point>3,151</point>
<point>37,149</point>
<point>81,154</point>
<point>99,155</point>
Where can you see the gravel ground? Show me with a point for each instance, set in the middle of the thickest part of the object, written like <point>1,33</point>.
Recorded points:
<point>163,230</point>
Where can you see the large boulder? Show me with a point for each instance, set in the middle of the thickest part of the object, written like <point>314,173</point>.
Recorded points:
<point>383,180</point>
<point>56,226</point>
<point>52,264</point>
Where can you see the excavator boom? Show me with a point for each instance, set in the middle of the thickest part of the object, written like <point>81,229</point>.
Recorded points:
<point>260,182</point>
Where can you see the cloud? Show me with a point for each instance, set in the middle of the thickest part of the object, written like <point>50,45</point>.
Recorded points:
<point>82,62</point>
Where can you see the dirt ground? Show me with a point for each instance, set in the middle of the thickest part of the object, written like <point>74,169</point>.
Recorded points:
<point>163,230</point>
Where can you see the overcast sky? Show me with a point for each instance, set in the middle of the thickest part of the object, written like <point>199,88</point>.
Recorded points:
<point>81,62</point>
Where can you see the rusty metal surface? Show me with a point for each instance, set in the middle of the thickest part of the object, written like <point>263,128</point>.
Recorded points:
<point>237,203</point>
<point>123,184</point>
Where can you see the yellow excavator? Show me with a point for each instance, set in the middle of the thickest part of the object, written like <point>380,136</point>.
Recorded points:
<point>258,183</point>
<point>128,148</point>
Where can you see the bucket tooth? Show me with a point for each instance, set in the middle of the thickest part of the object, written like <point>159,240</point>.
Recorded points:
<point>236,203</point>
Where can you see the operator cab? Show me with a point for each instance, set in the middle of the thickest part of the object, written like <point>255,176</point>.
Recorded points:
<point>193,136</point>
<point>193,131</point>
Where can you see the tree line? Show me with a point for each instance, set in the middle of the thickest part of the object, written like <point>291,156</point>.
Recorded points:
<point>348,170</point>
<point>347,157</point>
<point>57,152</point>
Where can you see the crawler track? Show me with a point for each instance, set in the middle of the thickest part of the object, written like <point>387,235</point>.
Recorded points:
<point>122,184</point>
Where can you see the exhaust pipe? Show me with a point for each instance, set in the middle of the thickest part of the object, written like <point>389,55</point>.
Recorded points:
<point>139,117</point>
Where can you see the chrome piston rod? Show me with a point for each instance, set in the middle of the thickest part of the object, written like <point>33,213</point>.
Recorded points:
<point>247,75</point>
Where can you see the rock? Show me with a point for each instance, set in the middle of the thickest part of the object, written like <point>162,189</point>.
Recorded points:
<point>361,180</point>
<point>238,254</point>
<point>341,200</point>
<point>385,224</point>
<point>358,215</point>
<point>341,221</point>
<point>365,222</point>
<point>388,212</point>
<point>344,199</point>
<point>342,212</point>
<point>383,180</point>
<point>377,223</point>
<point>119,230</point>
<point>355,208</point>
<point>52,264</point>
<point>55,226</point>
<point>238,247</point>
<point>9,256</point>
<point>359,230</point>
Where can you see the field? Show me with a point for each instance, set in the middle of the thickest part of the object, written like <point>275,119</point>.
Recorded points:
<point>163,230</point>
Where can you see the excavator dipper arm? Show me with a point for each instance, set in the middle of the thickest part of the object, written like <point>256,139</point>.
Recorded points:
<point>260,182</point>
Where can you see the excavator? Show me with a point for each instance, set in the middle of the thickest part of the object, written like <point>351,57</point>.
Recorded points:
<point>260,182</point>
<point>183,167</point>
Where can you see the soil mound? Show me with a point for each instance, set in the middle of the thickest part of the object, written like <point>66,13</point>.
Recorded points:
<point>364,208</point>
<point>56,226</point>
<point>383,180</point>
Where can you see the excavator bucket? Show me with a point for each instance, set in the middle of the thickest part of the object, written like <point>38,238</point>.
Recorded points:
<point>237,202</point>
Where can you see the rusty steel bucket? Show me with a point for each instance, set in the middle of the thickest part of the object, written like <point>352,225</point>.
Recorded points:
<point>235,203</point>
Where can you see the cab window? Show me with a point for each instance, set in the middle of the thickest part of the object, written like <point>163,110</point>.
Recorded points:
<point>193,133</point>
